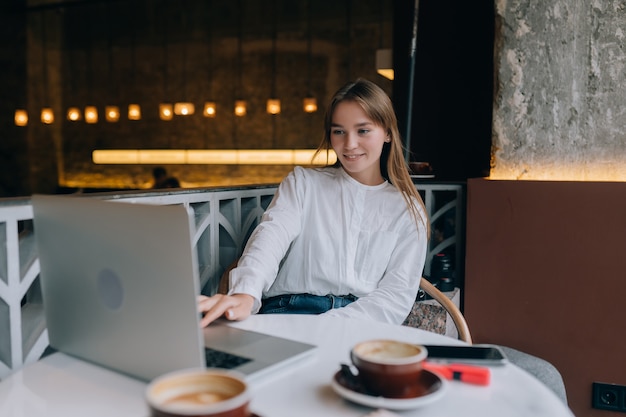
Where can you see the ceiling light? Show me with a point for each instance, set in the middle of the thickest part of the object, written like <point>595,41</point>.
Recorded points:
<point>134,112</point>
<point>240,108</point>
<point>73,114</point>
<point>310,104</point>
<point>112,113</point>
<point>47,115</point>
<point>209,109</point>
<point>273,106</point>
<point>166,111</point>
<point>384,63</point>
<point>21,117</point>
<point>184,109</point>
<point>91,114</point>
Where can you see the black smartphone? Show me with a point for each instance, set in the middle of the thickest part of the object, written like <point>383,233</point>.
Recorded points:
<point>487,355</point>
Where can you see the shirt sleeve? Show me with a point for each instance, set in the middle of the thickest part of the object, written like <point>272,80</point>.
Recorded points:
<point>392,300</point>
<point>266,247</point>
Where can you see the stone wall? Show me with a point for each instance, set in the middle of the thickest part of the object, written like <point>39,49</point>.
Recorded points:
<point>560,78</point>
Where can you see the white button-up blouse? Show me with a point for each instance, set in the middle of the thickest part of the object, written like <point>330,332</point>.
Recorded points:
<point>326,233</point>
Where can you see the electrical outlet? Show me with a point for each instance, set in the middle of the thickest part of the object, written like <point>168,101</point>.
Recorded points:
<point>608,397</point>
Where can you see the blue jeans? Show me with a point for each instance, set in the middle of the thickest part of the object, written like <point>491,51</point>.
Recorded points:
<point>304,303</point>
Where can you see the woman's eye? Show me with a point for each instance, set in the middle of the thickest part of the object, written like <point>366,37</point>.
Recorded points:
<point>363,131</point>
<point>337,132</point>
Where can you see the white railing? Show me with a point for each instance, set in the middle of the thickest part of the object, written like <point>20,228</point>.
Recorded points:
<point>224,219</point>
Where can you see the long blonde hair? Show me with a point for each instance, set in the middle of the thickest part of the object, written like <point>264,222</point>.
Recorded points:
<point>378,107</point>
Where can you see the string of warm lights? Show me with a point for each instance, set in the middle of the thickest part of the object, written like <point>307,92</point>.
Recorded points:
<point>167,111</point>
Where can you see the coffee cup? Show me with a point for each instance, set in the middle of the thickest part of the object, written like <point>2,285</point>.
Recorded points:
<point>389,368</point>
<point>199,393</point>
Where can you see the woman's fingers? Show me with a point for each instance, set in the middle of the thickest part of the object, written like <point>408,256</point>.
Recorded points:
<point>233,307</point>
<point>212,307</point>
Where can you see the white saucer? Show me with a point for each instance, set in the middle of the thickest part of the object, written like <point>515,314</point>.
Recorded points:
<point>435,392</point>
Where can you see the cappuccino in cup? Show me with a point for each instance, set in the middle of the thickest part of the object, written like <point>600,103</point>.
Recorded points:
<point>199,392</point>
<point>389,368</point>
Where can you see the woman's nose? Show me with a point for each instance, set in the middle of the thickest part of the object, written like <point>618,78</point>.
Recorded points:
<point>351,141</point>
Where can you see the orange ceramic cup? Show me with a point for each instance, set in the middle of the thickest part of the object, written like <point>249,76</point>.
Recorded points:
<point>199,393</point>
<point>389,368</point>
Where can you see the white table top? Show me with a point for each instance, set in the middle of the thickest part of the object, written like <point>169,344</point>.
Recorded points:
<point>59,385</point>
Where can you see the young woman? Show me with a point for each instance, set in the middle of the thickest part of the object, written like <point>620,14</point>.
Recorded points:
<point>348,239</point>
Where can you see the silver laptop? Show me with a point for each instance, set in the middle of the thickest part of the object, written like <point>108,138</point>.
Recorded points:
<point>119,284</point>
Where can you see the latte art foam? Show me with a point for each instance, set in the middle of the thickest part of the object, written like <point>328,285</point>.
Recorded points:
<point>197,392</point>
<point>388,351</point>
<point>197,398</point>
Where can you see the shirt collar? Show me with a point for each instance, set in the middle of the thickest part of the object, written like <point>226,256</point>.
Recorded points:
<point>354,182</point>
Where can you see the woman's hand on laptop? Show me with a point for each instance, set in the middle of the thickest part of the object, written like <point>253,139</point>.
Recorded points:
<point>233,307</point>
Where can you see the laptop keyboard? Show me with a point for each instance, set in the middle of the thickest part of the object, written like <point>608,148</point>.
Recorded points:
<point>219,359</point>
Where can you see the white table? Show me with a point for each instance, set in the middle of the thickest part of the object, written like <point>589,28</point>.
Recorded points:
<point>62,386</point>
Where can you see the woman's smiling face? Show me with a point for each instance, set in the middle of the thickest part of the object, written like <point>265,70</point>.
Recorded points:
<point>358,142</point>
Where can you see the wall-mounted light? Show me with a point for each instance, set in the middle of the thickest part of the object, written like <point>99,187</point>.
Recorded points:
<point>384,63</point>
<point>21,117</point>
<point>309,104</point>
<point>384,56</point>
<point>240,108</point>
<point>210,109</point>
<point>166,111</point>
<point>273,106</point>
<point>134,109</point>
<point>161,156</point>
<point>214,156</point>
<point>47,116</point>
<point>91,114</point>
<point>112,113</point>
<point>74,114</point>
<point>240,105</point>
<point>134,112</point>
<point>544,170</point>
<point>184,109</point>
